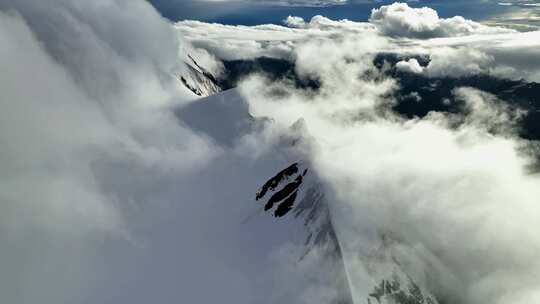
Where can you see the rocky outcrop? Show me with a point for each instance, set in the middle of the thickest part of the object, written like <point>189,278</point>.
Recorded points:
<point>199,80</point>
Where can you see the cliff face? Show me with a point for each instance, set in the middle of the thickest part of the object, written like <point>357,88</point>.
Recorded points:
<point>198,80</point>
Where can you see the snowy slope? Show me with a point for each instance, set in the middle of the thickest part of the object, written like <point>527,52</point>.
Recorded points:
<point>198,79</point>
<point>294,192</point>
<point>290,219</point>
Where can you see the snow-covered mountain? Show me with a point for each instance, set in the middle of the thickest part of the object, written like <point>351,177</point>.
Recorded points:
<point>295,192</point>
<point>293,205</point>
<point>198,79</point>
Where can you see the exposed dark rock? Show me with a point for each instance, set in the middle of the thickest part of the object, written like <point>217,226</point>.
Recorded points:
<point>284,193</point>
<point>272,183</point>
<point>190,87</point>
<point>287,205</point>
<point>198,80</point>
<point>304,200</point>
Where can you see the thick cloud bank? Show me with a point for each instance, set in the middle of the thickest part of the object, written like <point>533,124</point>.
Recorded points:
<point>116,187</point>
<point>81,87</point>
<point>106,196</point>
<point>456,47</point>
<point>400,20</point>
<point>229,42</point>
<point>511,56</point>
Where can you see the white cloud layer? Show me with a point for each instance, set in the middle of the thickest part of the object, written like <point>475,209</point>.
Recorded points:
<point>83,93</point>
<point>411,65</point>
<point>229,42</point>
<point>457,47</point>
<point>106,196</point>
<point>400,20</point>
<point>456,206</point>
<point>513,56</point>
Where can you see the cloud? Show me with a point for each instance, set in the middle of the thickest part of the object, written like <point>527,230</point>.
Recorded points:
<point>400,20</point>
<point>295,22</point>
<point>433,193</point>
<point>487,112</point>
<point>234,42</point>
<point>104,186</point>
<point>450,62</point>
<point>451,40</point>
<point>510,56</point>
<point>438,194</point>
<point>84,98</point>
<point>411,65</point>
<point>228,42</point>
<point>457,62</point>
<point>89,86</point>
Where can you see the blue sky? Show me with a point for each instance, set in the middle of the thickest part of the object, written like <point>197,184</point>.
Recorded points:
<point>253,12</point>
